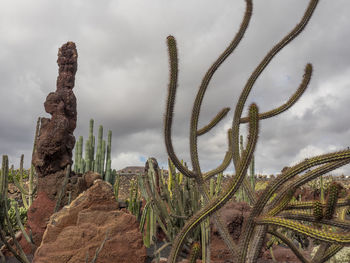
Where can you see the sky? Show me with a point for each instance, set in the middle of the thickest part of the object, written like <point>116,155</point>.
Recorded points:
<point>123,74</point>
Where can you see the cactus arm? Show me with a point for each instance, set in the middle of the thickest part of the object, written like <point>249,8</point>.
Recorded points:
<point>309,205</point>
<point>341,238</point>
<point>278,183</point>
<point>173,61</point>
<point>294,98</point>
<point>249,191</point>
<point>331,202</point>
<point>217,203</point>
<point>205,82</point>
<point>254,76</point>
<point>116,186</point>
<point>143,216</point>
<point>24,199</point>
<point>103,153</point>
<point>308,177</point>
<point>87,156</point>
<point>290,244</point>
<point>282,203</point>
<point>19,185</point>
<point>156,202</point>
<point>256,244</point>
<point>195,116</point>
<point>213,122</point>
<point>19,222</point>
<point>310,218</point>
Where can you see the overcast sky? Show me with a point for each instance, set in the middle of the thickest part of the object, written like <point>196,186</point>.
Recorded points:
<point>123,73</point>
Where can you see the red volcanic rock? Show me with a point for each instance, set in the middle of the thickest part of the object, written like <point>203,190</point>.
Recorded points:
<point>80,228</point>
<point>56,140</point>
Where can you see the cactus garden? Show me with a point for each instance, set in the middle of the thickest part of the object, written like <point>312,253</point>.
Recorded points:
<point>181,212</point>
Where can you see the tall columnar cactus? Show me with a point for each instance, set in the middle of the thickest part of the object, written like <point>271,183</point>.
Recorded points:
<point>31,191</point>
<point>98,161</point>
<point>267,212</point>
<point>20,185</point>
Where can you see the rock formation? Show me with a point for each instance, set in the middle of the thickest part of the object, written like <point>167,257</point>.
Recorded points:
<point>56,141</point>
<point>53,149</point>
<point>80,228</point>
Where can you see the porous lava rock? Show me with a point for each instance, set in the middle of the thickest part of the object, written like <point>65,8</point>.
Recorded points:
<point>56,141</point>
<point>81,227</point>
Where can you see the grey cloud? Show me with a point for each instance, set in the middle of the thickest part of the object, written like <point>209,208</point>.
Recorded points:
<point>123,74</point>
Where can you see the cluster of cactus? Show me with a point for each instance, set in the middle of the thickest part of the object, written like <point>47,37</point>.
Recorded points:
<point>169,202</point>
<point>99,162</point>
<point>6,222</point>
<point>12,218</point>
<point>182,204</point>
<point>17,176</point>
<point>267,214</point>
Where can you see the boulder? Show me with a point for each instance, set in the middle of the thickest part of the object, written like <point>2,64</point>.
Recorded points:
<point>80,228</point>
<point>43,206</point>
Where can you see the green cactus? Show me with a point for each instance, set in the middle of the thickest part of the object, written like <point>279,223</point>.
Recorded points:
<point>98,161</point>
<point>331,201</point>
<point>318,210</point>
<point>170,210</point>
<point>5,221</point>
<point>267,212</point>
<point>116,186</point>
